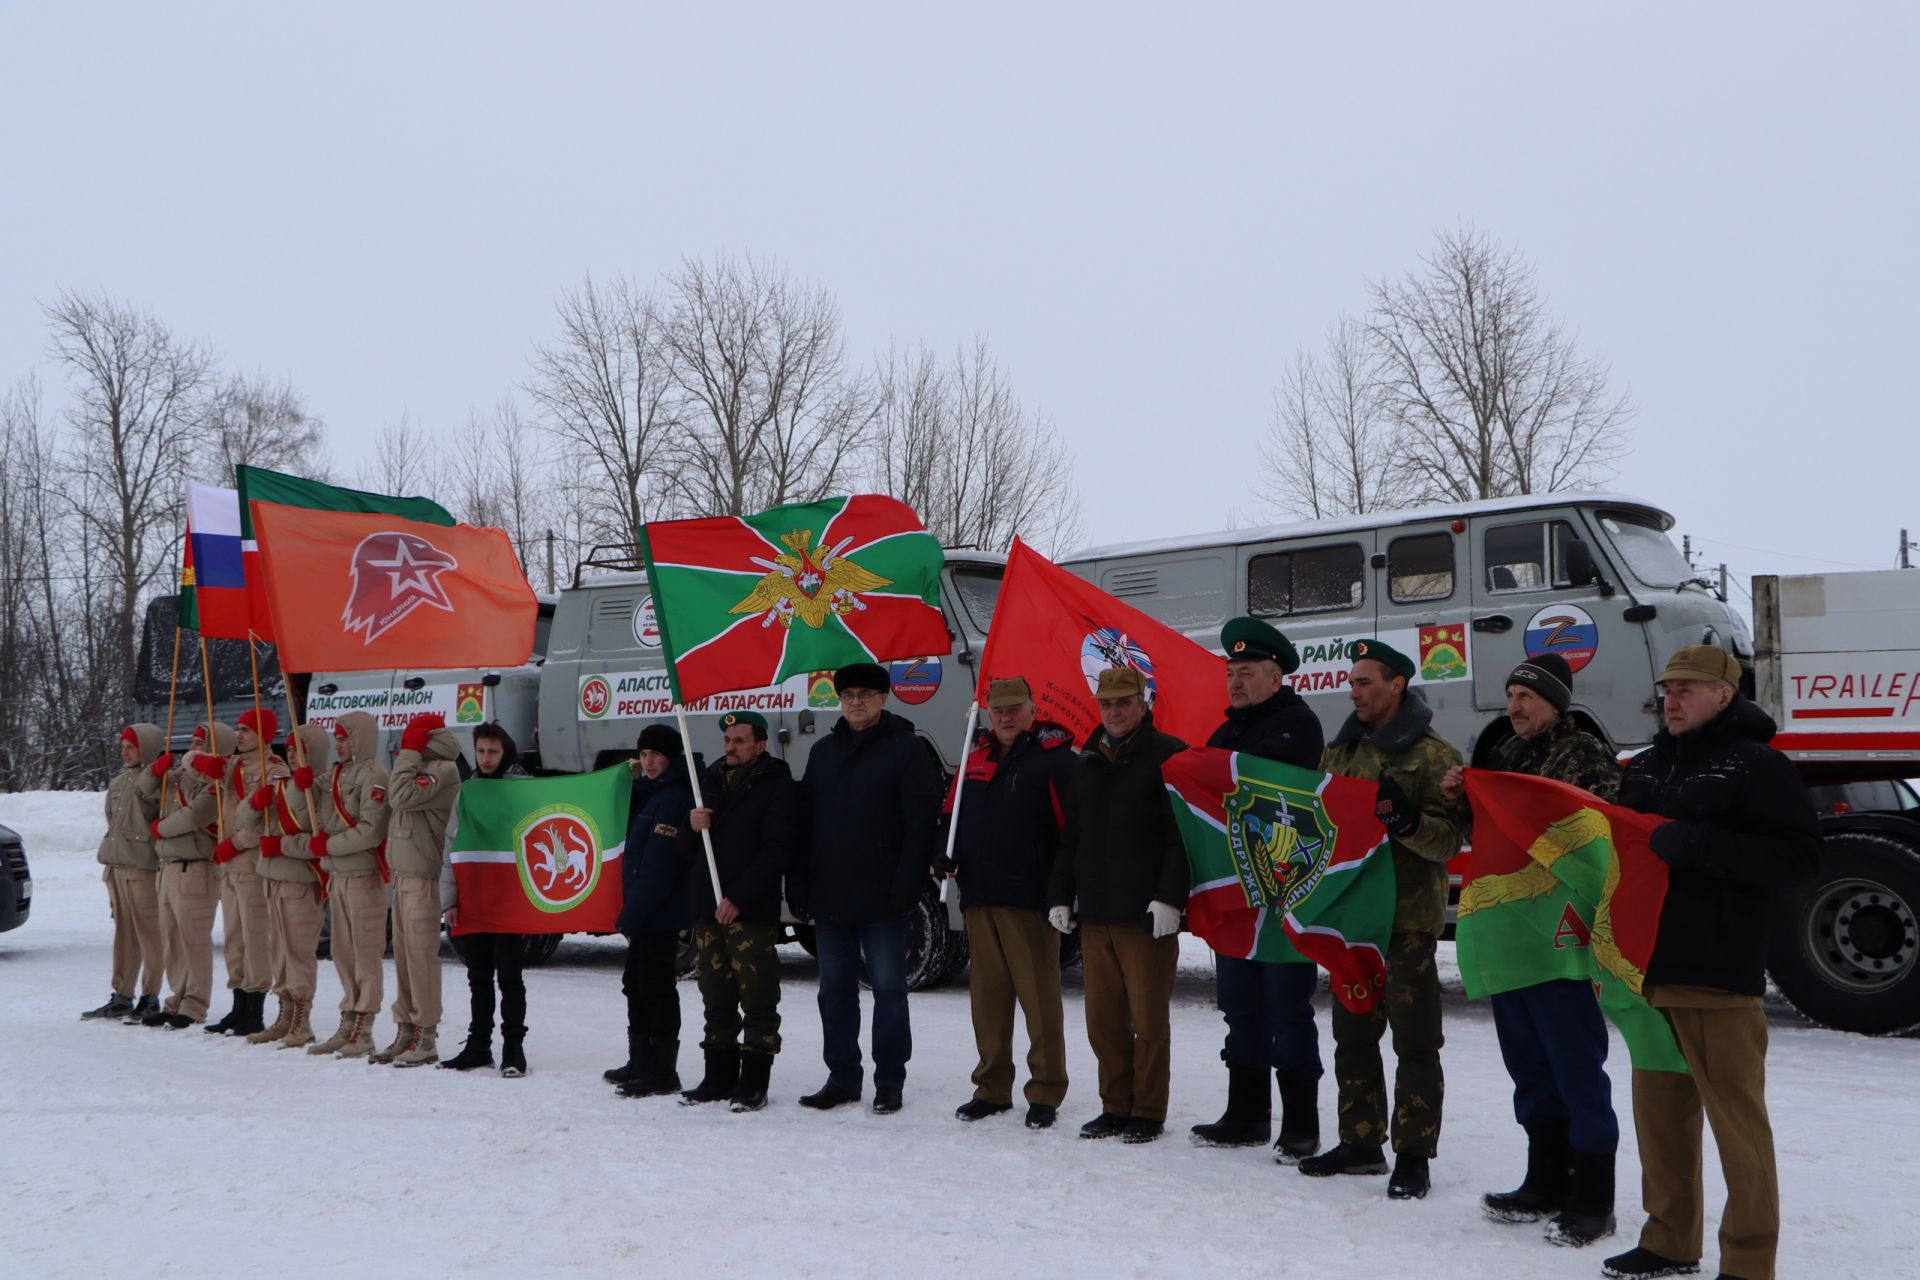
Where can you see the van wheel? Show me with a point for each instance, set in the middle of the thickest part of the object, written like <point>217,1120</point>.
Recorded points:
<point>686,956</point>
<point>1069,949</point>
<point>926,944</point>
<point>538,948</point>
<point>1845,945</point>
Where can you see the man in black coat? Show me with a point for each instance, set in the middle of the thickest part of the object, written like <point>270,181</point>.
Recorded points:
<point>1742,828</point>
<point>874,792</point>
<point>1268,1007</point>
<point>1015,786</point>
<point>753,811</point>
<point>653,911</point>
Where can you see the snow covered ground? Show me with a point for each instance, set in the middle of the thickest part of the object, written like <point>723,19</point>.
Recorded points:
<point>129,1152</point>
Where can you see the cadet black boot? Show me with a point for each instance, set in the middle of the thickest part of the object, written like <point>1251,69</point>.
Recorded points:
<point>717,1085</point>
<point>1348,1157</point>
<point>1248,1119</point>
<point>750,1094</point>
<point>513,1057</point>
<point>117,1006</point>
<point>226,1024</point>
<point>1588,1215</point>
<point>157,1017</point>
<point>1543,1192</point>
<point>1410,1179</point>
<point>636,1063</point>
<point>142,1007</point>
<point>1299,1117</point>
<point>253,1009</point>
<point>1642,1264</point>
<point>477,1052</point>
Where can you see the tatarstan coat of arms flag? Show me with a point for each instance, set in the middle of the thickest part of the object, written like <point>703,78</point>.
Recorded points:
<point>540,855</point>
<point>745,601</point>
<point>1287,864</point>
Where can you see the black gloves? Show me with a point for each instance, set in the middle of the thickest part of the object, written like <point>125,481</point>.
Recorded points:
<point>942,866</point>
<point>1670,843</point>
<point>1396,812</point>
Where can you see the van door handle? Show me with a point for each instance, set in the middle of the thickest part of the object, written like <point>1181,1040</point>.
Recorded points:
<point>1494,622</point>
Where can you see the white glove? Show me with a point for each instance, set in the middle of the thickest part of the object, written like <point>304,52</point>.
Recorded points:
<point>1061,919</point>
<point>1166,919</point>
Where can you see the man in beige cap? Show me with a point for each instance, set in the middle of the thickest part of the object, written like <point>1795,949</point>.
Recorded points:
<point>1015,789</point>
<point>295,893</point>
<point>1122,870</point>
<point>192,811</point>
<point>349,849</point>
<point>130,873</point>
<point>1742,828</point>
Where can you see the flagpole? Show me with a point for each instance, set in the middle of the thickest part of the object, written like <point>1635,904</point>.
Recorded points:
<point>253,661</point>
<point>219,790</point>
<point>959,790</point>
<point>693,772</point>
<point>173,686</point>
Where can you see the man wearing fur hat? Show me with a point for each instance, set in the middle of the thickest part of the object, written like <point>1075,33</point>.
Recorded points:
<point>1389,741</point>
<point>128,868</point>
<point>425,785</point>
<point>192,809</point>
<point>249,947</point>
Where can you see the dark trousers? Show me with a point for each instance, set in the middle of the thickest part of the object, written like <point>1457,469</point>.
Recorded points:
<point>491,956</point>
<point>652,990</point>
<point>1269,1012</point>
<point>739,977</point>
<point>1410,1005</point>
<point>1554,1043</point>
<point>883,944</point>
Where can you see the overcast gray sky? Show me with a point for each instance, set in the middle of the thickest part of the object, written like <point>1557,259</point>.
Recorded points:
<point>1147,209</point>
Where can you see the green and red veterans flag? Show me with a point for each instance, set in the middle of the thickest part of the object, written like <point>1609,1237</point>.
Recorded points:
<point>746,601</point>
<point>1287,864</point>
<point>541,855</point>
<point>1562,885</point>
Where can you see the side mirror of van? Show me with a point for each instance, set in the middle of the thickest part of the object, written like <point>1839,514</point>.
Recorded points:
<point>1581,570</point>
<point>805,722</point>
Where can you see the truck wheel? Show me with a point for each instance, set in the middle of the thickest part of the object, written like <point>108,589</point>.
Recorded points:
<point>1069,950</point>
<point>809,941</point>
<point>958,952</point>
<point>538,948</point>
<point>686,956</point>
<point>1845,948</point>
<point>926,945</point>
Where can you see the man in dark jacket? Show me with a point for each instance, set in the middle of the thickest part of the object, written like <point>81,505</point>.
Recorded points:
<point>874,789</point>
<point>653,880</point>
<point>1121,860</point>
<point>1015,786</point>
<point>488,956</point>
<point>1268,1007</point>
<point>753,811</point>
<point>1742,828</point>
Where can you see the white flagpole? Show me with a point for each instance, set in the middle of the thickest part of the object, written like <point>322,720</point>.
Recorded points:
<point>959,789</point>
<point>693,772</point>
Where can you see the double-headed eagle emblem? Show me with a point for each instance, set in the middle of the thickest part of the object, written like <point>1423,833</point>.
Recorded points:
<point>812,584</point>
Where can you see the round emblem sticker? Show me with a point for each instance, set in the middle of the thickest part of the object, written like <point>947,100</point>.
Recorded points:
<point>1565,629</point>
<point>596,695</point>
<point>646,627</point>
<point>559,858</point>
<point>915,680</point>
<point>1112,647</point>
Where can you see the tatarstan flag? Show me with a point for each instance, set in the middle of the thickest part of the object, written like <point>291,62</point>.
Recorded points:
<point>1563,885</point>
<point>1058,631</point>
<point>356,592</point>
<point>540,855</point>
<point>1287,864</point>
<point>746,601</point>
<point>256,484</point>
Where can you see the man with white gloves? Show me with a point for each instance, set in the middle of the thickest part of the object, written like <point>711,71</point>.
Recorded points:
<point>1121,858</point>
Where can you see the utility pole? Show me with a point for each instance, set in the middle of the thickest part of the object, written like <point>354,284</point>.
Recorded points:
<point>1686,548</point>
<point>1723,580</point>
<point>1906,545</point>
<point>550,586</point>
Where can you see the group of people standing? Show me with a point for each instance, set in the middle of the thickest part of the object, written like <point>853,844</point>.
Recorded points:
<point>1053,837</point>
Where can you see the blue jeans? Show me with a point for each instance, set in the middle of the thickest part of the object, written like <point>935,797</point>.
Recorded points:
<point>883,944</point>
<point>1554,1042</point>
<point>1269,1012</point>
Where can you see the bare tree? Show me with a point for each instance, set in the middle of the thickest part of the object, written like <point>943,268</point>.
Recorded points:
<point>494,477</point>
<point>1488,393</point>
<point>408,461</point>
<point>260,423</point>
<point>139,399</point>
<point>1329,449</point>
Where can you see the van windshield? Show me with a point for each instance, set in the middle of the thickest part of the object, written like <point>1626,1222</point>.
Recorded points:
<point>978,586</point>
<point>1650,555</point>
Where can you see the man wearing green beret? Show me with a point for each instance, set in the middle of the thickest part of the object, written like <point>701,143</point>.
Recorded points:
<point>1389,740</point>
<point>1268,1007</point>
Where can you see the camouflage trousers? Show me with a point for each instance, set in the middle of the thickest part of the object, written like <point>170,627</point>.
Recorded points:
<point>739,978</point>
<point>1410,1006</point>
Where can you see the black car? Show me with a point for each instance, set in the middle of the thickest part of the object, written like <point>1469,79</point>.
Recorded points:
<point>16,882</point>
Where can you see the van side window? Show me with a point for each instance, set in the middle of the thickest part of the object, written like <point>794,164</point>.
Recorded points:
<point>1317,580</point>
<point>1530,556</point>
<point>1420,567</point>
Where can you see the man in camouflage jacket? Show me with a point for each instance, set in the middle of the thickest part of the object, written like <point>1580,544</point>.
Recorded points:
<point>1389,740</point>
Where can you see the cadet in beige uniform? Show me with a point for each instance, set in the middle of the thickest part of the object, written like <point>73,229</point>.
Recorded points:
<point>248,944</point>
<point>425,784</point>
<point>129,871</point>
<point>294,890</point>
<point>190,812</point>
<point>349,851</point>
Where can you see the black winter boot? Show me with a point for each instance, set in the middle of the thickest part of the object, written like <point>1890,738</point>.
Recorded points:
<point>253,1009</point>
<point>142,1007</point>
<point>513,1056</point>
<point>1411,1178</point>
<point>721,1078</point>
<point>477,1052</point>
<point>636,1063</point>
<point>227,1023</point>
<point>117,1006</point>
<point>1299,1117</point>
<point>1348,1157</point>
<point>1543,1192</point>
<point>1588,1215</point>
<point>1248,1119</point>
<point>750,1094</point>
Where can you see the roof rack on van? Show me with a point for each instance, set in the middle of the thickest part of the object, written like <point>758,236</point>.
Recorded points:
<point>618,556</point>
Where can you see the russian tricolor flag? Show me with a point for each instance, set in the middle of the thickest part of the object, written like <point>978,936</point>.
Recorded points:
<point>213,550</point>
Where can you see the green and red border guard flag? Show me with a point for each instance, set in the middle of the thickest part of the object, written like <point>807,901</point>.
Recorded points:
<point>1287,864</point>
<point>1059,631</point>
<point>1563,885</point>
<point>541,855</point>
<point>746,601</point>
